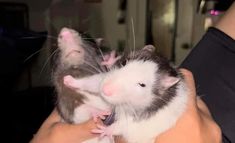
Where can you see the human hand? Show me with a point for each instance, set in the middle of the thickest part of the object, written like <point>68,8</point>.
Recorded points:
<point>196,125</point>
<point>55,131</point>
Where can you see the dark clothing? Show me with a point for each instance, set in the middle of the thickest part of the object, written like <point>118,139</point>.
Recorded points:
<point>212,63</point>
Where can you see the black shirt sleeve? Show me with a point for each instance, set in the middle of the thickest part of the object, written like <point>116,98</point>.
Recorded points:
<point>212,62</point>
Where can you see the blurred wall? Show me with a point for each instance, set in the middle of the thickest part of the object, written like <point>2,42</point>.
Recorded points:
<point>37,22</point>
<point>186,9</point>
<point>100,19</point>
<point>163,25</point>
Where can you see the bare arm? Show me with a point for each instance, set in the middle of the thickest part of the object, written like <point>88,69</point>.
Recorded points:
<point>227,22</point>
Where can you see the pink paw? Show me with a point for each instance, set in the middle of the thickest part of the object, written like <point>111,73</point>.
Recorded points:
<point>99,114</point>
<point>70,82</point>
<point>103,131</point>
<point>110,60</point>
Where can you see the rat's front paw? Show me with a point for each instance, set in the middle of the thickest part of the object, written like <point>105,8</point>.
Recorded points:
<point>70,82</point>
<point>110,60</point>
<point>103,131</point>
<point>96,113</point>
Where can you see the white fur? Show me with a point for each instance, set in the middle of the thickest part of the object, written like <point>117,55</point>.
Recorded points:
<point>147,130</point>
<point>126,83</point>
<point>82,113</point>
<point>127,91</point>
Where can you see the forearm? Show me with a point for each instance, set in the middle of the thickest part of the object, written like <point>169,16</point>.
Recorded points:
<point>227,22</point>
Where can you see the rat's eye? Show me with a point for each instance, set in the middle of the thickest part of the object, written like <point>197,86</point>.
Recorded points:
<point>124,62</point>
<point>142,84</point>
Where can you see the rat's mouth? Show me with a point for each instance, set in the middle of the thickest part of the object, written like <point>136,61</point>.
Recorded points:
<point>72,52</point>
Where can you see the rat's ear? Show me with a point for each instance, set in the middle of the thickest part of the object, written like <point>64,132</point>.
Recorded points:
<point>169,81</point>
<point>99,41</point>
<point>149,48</point>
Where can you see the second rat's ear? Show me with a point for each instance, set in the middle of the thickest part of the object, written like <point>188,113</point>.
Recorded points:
<point>149,48</point>
<point>169,81</point>
<point>99,41</point>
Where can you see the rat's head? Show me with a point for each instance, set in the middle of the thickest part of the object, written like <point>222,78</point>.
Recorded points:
<point>70,46</point>
<point>140,82</point>
<point>74,47</point>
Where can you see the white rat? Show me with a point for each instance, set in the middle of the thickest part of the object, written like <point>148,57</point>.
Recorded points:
<point>147,93</point>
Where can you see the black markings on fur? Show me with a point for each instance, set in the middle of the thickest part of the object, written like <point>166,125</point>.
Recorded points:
<point>160,100</point>
<point>162,96</point>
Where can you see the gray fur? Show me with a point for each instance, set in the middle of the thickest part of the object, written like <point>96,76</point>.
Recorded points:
<point>68,99</point>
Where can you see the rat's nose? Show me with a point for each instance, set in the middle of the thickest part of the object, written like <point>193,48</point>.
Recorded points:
<point>65,33</point>
<point>108,89</point>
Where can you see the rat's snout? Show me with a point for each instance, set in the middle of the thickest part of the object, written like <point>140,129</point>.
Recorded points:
<point>65,34</point>
<point>108,89</point>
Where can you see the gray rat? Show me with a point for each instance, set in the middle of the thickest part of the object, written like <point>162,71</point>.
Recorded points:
<point>79,58</point>
<point>148,95</point>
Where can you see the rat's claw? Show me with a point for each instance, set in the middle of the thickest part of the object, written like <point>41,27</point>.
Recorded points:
<point>117,58</point>
<point>110,60</point>
<point>106,57</point>
<point>96,113</point>
<point>103,114</point>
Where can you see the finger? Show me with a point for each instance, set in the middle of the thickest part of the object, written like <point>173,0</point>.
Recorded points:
<point>203,108</point>
<point>196,99</point>
<point>190,86</point>
<point>188,76</point>
<point>100,126</point>
<point>96,131</point>
<point>102,117</point>
<point>95,119</point>
<point>189,80</point>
